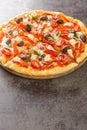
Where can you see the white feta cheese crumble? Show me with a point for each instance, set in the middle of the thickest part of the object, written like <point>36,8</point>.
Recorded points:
<point>25,21</point>
<point>73,42</point>
<point>31,36</point>
<point>49,17</point>
<point>5,30</point>
<point>50,47</point>
<point>79,34</point>
<point>40,52</point>
<point>17,59</point>
<point>47,58</point>
<point>69,51</point>
<point>46,30</point>
<point>71,35</point>
<point>18,39</point>
<point>33,57</point>
<point>15,33</point>
<point>35,25</point>
<point>68,24</point>
<point>3,43</point>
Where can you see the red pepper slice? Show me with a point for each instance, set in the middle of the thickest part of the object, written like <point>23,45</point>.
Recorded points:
<point>6,52</point>
<point>27,39</point>
<point>35,64</point>
<point>1,35</point>
<point>53,53</point>
<point>15,49</point>
<point>65,36</point>
<point>40,33</point>
<point>49,42</point>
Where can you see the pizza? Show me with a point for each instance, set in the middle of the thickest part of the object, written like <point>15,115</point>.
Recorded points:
<point>42,44</point>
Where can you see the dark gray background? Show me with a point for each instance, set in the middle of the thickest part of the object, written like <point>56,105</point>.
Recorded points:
<point>56,104</point>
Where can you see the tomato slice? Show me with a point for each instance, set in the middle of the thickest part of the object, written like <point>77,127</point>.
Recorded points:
<point>35,64</point>
<point>53,53</point>
<point>64,59</point>
<point>46,64</point>
<point>15,49</point>
<point>1,35</point>
<point>6,52</point>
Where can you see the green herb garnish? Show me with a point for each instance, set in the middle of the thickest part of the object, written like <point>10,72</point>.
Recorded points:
<point>72,31</point>
<point>58,35</point>
<point>36,52</point>
<point>34,17</point>
<point>75,34</point>
<point>10,32</point>
<point>20,31</point>
<point>30,51</point>
<point>51,38</point>
<point>28,58</point>
<point>8,43</point>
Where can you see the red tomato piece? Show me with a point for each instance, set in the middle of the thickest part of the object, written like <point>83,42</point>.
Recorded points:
<point>35,64</point>
<point>6,52</point>
<point>64,59</point>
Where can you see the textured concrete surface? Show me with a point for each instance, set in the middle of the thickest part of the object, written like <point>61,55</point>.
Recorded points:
<point>56,104</point>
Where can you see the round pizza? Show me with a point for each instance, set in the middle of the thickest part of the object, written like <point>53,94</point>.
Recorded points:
<point>42,44</point>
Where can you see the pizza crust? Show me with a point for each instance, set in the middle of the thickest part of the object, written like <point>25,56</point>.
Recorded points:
<point>48,73</point>
<point>34,73</point>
